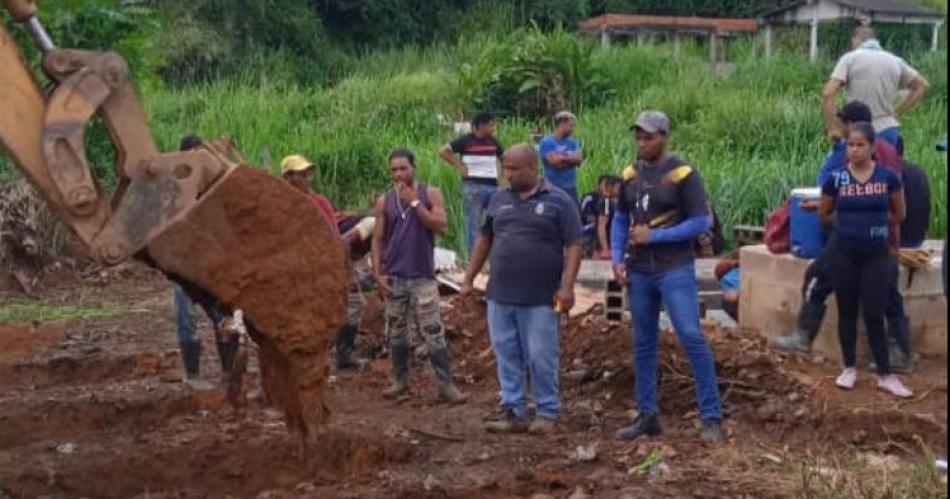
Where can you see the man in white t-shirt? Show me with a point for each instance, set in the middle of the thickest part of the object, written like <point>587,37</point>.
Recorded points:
<point>874,76</point>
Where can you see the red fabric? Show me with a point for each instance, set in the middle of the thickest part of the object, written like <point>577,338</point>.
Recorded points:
<point>887,156</point>
<point>778,230</point>
<point>726,266</point>
<point>326,208</point>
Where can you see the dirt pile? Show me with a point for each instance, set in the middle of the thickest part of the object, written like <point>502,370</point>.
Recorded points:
<point>258,246</point>
<point>598,358</point>
<point>466,320</point>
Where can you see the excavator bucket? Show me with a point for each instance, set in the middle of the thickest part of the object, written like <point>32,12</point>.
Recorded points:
<point>249,240</point>
<point>259,246</point>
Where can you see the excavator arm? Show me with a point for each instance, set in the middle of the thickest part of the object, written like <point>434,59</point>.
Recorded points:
<point>45,136</point>
<point>249,240</point>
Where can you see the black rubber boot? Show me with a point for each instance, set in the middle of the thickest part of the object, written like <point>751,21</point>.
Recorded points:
<point>191,357</point>
<point>346,348</point>
<point>226,353</point>
<point>899,345</point>
<point>810,318</point>
<point>400,357</point>
<point>443,373</point>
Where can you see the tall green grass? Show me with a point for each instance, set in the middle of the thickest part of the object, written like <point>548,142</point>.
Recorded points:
<point>754,135</point>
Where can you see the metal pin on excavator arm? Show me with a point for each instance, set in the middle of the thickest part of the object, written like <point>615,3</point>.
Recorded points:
<point>236,233</point>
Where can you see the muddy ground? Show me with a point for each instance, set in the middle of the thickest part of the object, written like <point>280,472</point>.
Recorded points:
<point>95,408</point>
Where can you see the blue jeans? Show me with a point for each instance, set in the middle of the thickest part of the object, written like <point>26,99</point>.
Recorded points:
<point>679,290</point>
<point>185,319</point>
<point>894,137</point>
<point>477,197</point>
<point>527,340</point>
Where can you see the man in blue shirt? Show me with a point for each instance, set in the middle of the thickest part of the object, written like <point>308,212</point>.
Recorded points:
<point>561,154</point>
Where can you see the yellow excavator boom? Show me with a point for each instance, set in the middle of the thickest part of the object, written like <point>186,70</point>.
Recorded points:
<point>229,231</point>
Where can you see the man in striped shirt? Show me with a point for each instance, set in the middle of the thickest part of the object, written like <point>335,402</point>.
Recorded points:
<point>476,158</point>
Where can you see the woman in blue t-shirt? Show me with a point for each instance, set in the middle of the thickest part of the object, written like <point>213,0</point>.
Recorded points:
<point>862,201</point>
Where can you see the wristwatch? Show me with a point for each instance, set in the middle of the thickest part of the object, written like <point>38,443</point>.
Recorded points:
<point>415,204</point>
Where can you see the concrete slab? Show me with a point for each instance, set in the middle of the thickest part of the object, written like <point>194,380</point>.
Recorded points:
<point>594,273</point>
<point>771,298</point>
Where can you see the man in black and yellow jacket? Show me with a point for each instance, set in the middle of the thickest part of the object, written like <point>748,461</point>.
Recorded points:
<point>663,209</point>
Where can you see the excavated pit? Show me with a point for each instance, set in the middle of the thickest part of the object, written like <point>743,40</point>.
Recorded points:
<point>257,245</point>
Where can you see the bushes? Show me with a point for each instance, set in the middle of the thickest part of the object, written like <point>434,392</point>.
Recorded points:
<point>754,135</point>
<point>534,75</point>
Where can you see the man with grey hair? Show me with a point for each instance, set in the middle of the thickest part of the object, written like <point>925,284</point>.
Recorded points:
<point>561,154</point>
<point>872,75</point>
<point>662,210</point>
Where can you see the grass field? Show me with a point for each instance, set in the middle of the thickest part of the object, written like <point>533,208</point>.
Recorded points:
<point>754,134</point>
<point>753,131</point>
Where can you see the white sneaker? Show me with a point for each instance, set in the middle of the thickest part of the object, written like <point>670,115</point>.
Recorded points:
<point>200,385</point>
<point>848,379</point>
<point>893,385</point>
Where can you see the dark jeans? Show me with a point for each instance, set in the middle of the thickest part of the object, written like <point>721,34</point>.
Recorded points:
<point>818,286</point>
<point>857,277</point>
<point>185,319</point>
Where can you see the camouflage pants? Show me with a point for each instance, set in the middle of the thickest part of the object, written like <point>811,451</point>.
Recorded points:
<point>419,297</point>
<point>355,304</point>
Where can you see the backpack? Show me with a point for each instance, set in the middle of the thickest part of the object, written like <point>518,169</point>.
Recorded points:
<point>589,208</point>
<point>713,242</point>
<point>778,230</point>
<point>917,193</point>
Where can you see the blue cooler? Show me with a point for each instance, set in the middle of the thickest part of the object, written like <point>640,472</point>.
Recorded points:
<point>807,236</point>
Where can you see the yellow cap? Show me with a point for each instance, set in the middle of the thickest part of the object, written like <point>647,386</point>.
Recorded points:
<point>295,163</point>
<point>629,173</point>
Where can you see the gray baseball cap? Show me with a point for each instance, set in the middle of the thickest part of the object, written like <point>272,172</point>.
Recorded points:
<point>652,122</point>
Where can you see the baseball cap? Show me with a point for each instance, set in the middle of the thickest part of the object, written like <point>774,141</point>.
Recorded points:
<point>652,122</point>
<point>295,163</point>
<point>855,112</point>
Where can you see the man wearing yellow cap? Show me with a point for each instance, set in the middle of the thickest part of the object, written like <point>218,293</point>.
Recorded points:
<point>298,171</point>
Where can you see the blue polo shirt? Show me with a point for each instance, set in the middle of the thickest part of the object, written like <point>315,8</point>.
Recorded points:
<point>528,241</point>
<point>566,178</point>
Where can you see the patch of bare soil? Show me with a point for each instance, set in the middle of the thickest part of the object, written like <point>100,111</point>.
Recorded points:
<point>95,408</point>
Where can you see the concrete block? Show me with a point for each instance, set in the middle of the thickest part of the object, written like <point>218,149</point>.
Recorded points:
<point>771,298</point>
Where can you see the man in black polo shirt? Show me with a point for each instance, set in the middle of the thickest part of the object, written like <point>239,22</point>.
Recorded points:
<point>661,212</point>
<point>475,156</point>
<point>533,234</point>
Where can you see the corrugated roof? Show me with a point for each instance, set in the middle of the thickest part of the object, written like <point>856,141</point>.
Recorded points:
<point>892,7</point>
<point>632,21</point>
<point>902,7</point>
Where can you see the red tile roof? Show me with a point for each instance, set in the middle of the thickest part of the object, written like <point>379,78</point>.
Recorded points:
<point>632,21</point>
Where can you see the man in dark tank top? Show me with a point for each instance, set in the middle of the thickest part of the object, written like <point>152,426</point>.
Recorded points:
<point>409,217</point>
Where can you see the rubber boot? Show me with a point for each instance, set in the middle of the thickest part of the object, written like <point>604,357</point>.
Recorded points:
<point>810,318</point>
<point>899,345</point>
<point>443,373</point>
<point>226,353</point>
<point>400,357</point>
<point>345,348</point>
<point>191,357</point>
